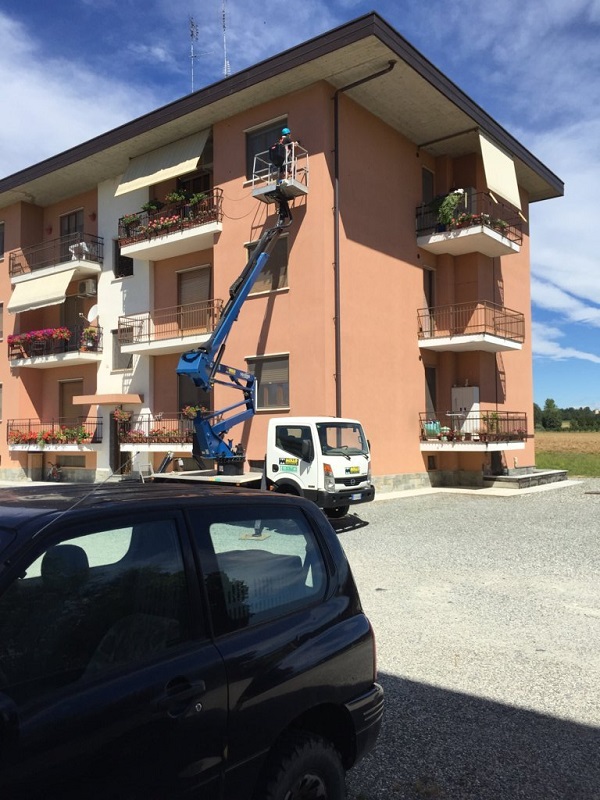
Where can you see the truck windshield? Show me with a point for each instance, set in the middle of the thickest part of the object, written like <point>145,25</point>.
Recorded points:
<point>342,438</point>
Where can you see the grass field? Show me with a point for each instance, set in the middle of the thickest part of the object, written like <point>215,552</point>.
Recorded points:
<point>579,453</point>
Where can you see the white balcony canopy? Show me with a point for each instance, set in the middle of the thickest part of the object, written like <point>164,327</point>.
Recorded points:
<point>47,290</point>
<point>500,174</point>
<point>170,161</point>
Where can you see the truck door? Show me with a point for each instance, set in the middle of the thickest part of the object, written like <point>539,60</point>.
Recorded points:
<point>292,457</point>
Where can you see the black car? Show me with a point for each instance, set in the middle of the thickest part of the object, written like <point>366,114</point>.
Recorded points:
<point>174,641</point>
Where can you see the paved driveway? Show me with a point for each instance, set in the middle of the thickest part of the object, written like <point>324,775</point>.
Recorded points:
<point>487,615</point>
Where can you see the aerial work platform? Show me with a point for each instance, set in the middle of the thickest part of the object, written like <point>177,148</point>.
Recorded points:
<point>270,183</point>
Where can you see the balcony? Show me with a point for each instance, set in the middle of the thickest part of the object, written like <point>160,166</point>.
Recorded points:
<point>270,183</point>
<point>168,330</point>
<point>55,347</point>
<point>80,252</point>
<point>465,327</point>
<point>158,433</point>
<point>172,229</point>
<point>62,435</point>
<point>477,224</point>
<point>481,431</point>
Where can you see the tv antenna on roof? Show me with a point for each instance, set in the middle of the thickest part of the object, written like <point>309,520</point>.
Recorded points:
<point>193,38</point>
<point>226,68</point>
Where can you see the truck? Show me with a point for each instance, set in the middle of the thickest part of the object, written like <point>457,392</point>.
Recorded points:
<point>326,459</point>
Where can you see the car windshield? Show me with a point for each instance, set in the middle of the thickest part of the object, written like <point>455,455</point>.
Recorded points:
<point>342,438</point>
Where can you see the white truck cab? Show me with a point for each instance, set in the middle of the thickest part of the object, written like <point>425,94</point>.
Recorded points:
<point>325,459</point>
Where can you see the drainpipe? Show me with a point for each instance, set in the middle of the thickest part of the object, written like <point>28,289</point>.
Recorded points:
<point>336,230</point>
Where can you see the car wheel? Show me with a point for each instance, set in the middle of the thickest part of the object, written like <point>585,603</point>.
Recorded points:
<point>336,513</point>
<point>304,767</point>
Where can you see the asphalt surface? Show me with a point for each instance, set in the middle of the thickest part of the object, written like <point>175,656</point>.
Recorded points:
<point>486,609</point>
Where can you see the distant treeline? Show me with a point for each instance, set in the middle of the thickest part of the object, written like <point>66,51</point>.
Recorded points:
<point>553,418</point>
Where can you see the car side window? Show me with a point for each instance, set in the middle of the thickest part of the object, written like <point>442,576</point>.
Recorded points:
<point>265,564</point>
<point>89,604</point>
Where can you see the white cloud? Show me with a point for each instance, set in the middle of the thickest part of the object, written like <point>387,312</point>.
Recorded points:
<point>546,343</point>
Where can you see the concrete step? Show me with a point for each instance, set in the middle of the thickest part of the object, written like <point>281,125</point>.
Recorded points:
<point>525,480</point>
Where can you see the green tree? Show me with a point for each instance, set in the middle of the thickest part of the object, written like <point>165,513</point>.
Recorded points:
<point>551,416</point>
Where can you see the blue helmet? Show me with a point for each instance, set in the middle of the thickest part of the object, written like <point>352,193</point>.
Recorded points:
<point>285,131</point>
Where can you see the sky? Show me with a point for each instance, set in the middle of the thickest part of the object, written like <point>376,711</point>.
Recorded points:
<point>72,69</point>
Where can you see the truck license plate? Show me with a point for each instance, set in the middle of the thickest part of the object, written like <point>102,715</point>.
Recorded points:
<point>355,496</point>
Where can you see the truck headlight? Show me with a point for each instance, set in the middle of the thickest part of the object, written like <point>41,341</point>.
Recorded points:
<point>329,482</point>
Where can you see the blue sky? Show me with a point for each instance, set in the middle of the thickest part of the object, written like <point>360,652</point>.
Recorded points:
<point>71,69</point>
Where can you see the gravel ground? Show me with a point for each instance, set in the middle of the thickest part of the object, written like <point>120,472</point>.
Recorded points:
<point>486,611</point>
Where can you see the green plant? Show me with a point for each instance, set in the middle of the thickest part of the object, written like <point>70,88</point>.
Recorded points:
<point>152,205</point>
<point>178,196</point>
<point>197,198</point>
<point>130,220</point>
<point>448,206</point>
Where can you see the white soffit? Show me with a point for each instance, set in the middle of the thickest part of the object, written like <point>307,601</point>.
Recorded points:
<point>48,290</point>
<point>500,174</point>
<point>166,162</point>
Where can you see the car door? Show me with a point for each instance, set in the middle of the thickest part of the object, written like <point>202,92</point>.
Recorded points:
<point>109,684</point>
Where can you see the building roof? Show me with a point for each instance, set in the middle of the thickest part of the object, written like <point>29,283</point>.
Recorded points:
<point>414,98</point>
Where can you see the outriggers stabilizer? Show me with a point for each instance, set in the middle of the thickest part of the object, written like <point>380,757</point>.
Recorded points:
<point>204,365</point>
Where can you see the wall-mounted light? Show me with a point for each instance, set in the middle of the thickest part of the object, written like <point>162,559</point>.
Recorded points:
<point>49,230</point>
<point>92,216</point>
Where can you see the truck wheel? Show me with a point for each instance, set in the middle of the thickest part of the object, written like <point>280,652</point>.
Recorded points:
<point>304,767</point>
<point>336,513</point>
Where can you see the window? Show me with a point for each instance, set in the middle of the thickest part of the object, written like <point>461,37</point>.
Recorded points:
<point>265,565</point>
<point>259,141</point>
<point>191,395</point>
<point>121,361</point>
<point>1,409</point>
<point>427,183</point>
<point>197,183</point>
<point>273,381</point>
<point>71,228</point>
<point>1,320</point>
<point>274,274</point>
<point>1,240</point>
<point>122,265</point>
<point>110,598</point>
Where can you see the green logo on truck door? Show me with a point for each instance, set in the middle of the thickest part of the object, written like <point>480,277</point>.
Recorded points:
<point>288,464</point>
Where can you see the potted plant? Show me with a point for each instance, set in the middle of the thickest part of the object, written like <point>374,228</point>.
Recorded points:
<point>448,206</point>
<point>178,196</point>
<point>121,415</point>
<point>152,206</point>
<point>89,338</point>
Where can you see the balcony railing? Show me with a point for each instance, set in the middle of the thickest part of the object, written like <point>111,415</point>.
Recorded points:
<point>64,430</point>
<point>55,341</point>
<point>471,319</point>
<point>474,209</point>
<point>166,428</point>
<point>72,247</point>
<point>169,323</point>
<point>171,217</point>
<point>483,426</point>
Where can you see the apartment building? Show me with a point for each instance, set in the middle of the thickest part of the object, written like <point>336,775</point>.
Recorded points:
<point>399,295</point>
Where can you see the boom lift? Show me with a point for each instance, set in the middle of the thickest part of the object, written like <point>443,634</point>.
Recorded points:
<point>204,365</point>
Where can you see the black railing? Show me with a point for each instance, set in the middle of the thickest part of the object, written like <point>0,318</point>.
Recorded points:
<point>484,426</point>
<point>64,430</point>
<point>72,247</point>
<point>167,428</point>
<point>171,217</point>
<point>473,209</point>
<point>470,319</point>
<point>55,341</point>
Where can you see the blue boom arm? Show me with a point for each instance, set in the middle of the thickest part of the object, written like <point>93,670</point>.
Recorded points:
<point>204,365</point>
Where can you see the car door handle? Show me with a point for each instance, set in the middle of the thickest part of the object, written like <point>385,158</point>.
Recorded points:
<point>177,696</point>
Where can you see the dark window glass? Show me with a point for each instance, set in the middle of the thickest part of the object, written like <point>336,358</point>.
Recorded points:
<point>273,381</point>
<point>123,265</point>
<point>274,274</point>
<point>259,141</point>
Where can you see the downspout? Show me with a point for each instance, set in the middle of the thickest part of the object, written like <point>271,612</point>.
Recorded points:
<point>336,231</point>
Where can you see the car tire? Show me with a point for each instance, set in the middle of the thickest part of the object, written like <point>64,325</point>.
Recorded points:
<point>304,767</point>
<point>337,513</point>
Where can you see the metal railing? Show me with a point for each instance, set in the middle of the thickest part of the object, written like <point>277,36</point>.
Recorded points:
<point>169,323</point>
<point>167,428</point>
<point>295,167</point>
<point>55,341</point>
<point>469,319</point>
<point>473,209</point>
<point>171,217</point>
<point>483,426</point>
<point>63,430</point>
<point>71,247</point>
